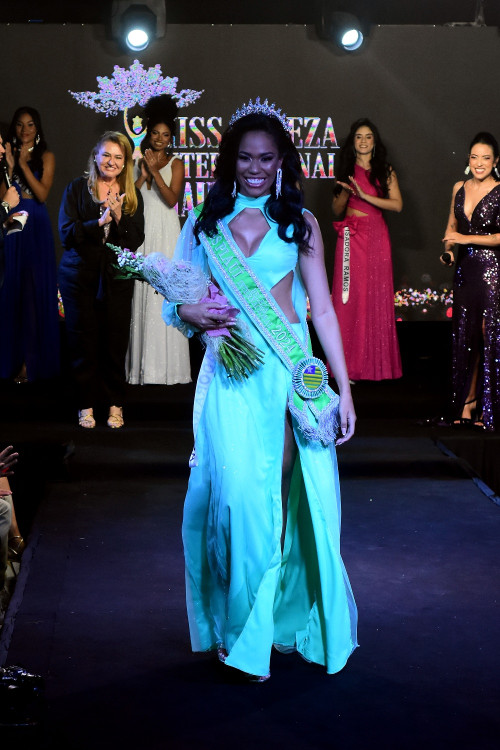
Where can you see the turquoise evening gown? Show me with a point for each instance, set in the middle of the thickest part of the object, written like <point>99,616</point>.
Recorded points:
<point>242,592</point>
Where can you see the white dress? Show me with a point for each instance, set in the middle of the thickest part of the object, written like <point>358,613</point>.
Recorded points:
<point>157,354</point>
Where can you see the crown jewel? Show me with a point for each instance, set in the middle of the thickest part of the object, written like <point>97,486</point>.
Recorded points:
<point>261,108</point>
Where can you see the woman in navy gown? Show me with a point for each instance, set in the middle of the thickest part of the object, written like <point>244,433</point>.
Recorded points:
<point>28,299</point>
<point>473,239</point>
<point>10,200</point>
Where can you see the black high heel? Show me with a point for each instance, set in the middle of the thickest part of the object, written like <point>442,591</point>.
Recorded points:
<point>466,421</point>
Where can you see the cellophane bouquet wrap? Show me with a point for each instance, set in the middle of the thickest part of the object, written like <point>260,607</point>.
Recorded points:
<point>182,282</point>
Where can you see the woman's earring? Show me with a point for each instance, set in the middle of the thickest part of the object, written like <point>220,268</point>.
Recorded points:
<point>373,152</point>
<point>14,140</point>
<point>497,175</point>
<point>37,139</point>
<point>279,175</point>
<point>235,190</point>
<point>467,169</point>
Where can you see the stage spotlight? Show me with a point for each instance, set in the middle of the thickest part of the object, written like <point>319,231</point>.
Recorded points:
<point>351,39</point>
<point>136,25</point>
<point>346,31</point>
<point>139,27</point>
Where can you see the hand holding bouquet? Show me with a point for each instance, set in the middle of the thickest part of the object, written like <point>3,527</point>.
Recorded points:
<point>182,282</point>
<point>231,346</point>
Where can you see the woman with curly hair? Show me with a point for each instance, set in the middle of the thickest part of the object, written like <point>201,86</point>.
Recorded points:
<point>261,523</point>
<point>157,353</point>
<point>363,288</point>
<point>100,207</point>
<point>28,299</point>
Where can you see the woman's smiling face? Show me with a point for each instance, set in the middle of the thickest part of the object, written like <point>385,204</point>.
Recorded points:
<point>110,160</point>
<point>364,140</point>
<point>481,160</point>
<point>25,128</point>
<point>160,137</point>
<point>257,163</point>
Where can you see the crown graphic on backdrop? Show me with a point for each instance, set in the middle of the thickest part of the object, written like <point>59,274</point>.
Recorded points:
<point>128,87</point>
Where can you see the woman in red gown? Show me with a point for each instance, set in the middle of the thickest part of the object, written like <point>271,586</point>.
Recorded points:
<point>363,289</point>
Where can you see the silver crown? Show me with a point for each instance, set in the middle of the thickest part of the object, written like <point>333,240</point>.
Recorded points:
<point>261,108</point>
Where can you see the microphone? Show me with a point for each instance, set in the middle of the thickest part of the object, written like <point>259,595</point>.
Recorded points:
<point>446,258</point>
<point>6,176</point>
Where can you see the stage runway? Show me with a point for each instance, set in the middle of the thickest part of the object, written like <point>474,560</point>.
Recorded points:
<point>99,605</point>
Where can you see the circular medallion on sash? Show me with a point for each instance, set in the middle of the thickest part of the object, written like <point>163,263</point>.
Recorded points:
<point>310,377</point>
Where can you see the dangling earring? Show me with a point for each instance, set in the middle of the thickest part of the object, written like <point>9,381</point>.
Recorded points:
<point>497,175</point>
<point>373,152</point>
<point>37,139</point>
<point>235,190</point>
<point>467,169</point>
<point>279,175</point>
<point>14,140</point>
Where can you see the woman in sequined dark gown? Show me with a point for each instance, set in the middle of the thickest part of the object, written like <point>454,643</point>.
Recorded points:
<point>473,238</point>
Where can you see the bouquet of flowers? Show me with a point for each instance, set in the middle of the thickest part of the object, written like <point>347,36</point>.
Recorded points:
<point>182,282</point>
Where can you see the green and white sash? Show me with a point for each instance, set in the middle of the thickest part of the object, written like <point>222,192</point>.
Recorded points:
<point>312,402</point>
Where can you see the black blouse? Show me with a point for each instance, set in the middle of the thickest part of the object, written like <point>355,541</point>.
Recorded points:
<point>83,239</point>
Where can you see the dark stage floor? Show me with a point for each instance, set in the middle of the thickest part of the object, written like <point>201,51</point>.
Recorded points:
<point>99,604</point>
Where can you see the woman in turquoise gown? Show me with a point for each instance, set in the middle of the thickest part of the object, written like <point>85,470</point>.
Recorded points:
<point>261,526</point>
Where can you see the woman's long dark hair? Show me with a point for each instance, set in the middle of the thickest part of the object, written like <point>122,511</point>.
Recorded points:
<point>380,169</point>
<point>286,210</point>
<point>159,109</point>
<point>36,161</point>
<point>488,140</point>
